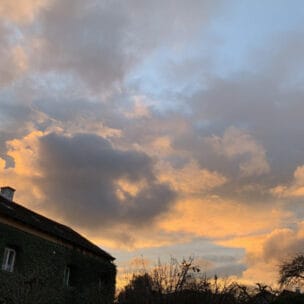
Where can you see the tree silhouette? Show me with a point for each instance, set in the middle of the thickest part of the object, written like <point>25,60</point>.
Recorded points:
<point>292,271</point>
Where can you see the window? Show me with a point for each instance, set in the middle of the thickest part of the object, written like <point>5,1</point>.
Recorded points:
<point>66,276</point>
<point>9,259</point>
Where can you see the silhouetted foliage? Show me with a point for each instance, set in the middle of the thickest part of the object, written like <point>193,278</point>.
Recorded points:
<point>139,290</point>
<point>184,283</point>
<point>289,297</point>
<point>292,272</point>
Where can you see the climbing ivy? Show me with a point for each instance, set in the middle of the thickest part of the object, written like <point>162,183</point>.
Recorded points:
<point>39,270</point>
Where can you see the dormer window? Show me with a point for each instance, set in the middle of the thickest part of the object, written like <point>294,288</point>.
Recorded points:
<point>9,259</point>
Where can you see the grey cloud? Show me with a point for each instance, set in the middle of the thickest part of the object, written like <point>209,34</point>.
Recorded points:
<point>222,258</point>
<point>155,23</point>
<point>280,245</point>
<point>69,110</point>
<point>255,104</point>
<point>12,57</point>
<point>252,104</point>
<point>283,243</point>
<point>236,143</point>
<point>14,118</point>
<point>98,41</point>
<point>282,62</point>
<point>85,38</point>
<point>228,270</point>
<point>80,174</point>
<point>266,103</point>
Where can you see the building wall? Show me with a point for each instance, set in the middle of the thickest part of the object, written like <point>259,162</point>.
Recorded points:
<point>39,268</point>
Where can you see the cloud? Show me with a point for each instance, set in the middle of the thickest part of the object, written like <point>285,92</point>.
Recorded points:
<point>81,180</point>
<point>21,11</point>
<point>84,181</point>
<point>16,121</point>
<point>99,42</point>
<point>190,179</point>
<point>266,251</point>
<point>219,218</point>
<point>236,144</point>
<point>77,114</point>
<point>86,39</point>
<point>294,189</point>
<point>150,23</point>
<point>212,259</point>
<point>13,61</point>
<point>229,270</point>
<point>283,243</point>
<point>140,109</point>
<point>251,102</point>
<point>22,173</point>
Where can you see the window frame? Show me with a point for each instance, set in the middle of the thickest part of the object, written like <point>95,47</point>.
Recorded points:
<point>66,276</point>
<point>6,266</point>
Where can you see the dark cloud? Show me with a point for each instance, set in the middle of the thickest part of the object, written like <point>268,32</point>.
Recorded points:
<point>85,38</point>
<point>79,181</point>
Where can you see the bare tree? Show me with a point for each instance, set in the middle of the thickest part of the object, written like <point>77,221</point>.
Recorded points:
<point>174,276</point>
<point>292,271</point>
<point>181,282</point>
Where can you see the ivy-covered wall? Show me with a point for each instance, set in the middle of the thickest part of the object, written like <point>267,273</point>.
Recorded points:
<point>39,272</point>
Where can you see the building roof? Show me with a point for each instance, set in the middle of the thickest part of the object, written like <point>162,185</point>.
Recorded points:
<point>12,210</point>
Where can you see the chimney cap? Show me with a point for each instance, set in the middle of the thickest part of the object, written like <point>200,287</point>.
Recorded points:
<point>7,192</point>
<point>8,187</point>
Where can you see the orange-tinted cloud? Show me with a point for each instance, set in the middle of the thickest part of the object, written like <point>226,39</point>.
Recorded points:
<point>140,108</point>
<point>266,251</point>
<point>21,11</point>
<point>190,178</point>
<point>295,188</point>
<point>236,143</point>
<point>215,217</point>
<point>23,175</point>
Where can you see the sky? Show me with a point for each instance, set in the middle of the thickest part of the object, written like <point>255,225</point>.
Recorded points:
<point>159,128</point>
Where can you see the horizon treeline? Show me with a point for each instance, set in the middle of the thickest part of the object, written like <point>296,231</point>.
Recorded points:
<point>183,282</point>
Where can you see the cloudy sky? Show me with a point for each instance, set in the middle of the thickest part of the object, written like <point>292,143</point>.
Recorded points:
<point>159,128</point>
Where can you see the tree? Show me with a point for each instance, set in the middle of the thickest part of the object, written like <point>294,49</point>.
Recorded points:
<point>174,276</point>
<point>292,271</point>
<point>139,290</point>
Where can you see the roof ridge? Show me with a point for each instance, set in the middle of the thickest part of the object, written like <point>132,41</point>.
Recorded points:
<point>24,214</point>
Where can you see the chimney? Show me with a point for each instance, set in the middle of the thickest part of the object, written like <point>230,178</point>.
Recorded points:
<point>7,192</point>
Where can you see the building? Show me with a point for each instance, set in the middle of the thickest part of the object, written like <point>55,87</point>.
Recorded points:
<point>43,261</point>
